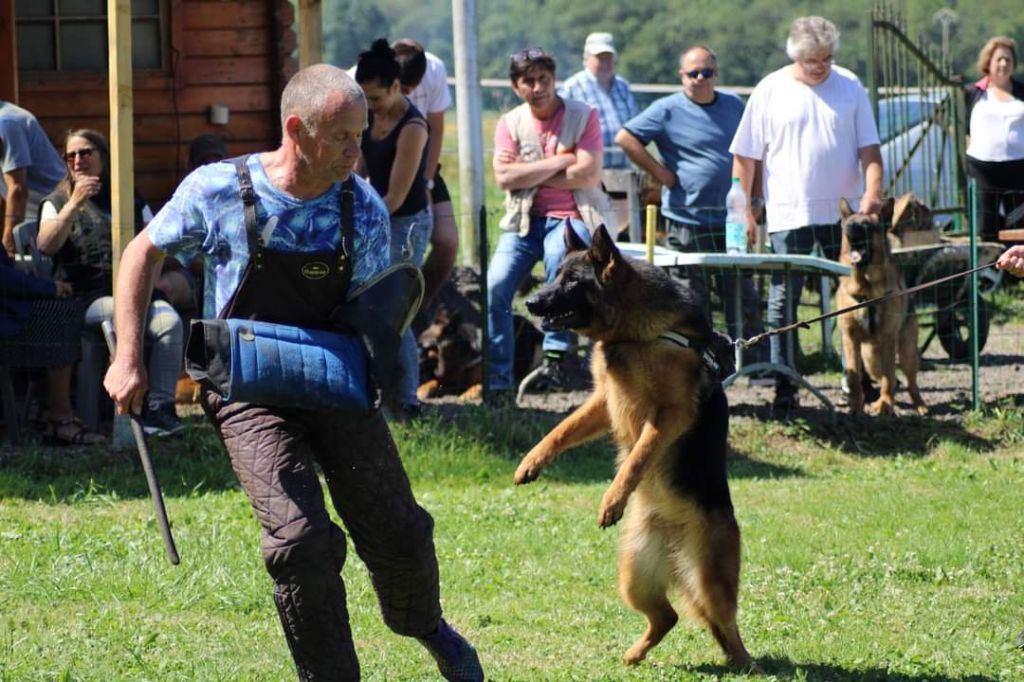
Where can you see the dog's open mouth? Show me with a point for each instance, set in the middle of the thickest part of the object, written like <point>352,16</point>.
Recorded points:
<point>559,321</point>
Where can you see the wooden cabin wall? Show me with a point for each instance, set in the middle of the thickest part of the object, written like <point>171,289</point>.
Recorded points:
<point>235,53</point>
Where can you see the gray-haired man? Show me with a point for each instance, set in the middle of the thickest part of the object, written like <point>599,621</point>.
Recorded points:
<point>303,188</point>
<point>810,125</point>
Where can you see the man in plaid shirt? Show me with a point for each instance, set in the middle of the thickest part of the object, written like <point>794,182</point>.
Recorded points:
<point>598,86</point>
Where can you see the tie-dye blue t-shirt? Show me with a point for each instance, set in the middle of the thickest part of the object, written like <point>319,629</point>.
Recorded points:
<point>205,218</point>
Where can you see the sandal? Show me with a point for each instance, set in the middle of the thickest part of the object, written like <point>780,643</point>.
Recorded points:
<point>72,431</point>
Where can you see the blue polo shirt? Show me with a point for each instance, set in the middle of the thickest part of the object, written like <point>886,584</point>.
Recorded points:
<point>693,141</point>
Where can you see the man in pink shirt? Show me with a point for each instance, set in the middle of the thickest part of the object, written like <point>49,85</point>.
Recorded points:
<point>547,158</point>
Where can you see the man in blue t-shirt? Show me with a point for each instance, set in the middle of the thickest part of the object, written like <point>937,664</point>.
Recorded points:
<point>296,273</point>
<point>31,167</point>
<point>692,131</point>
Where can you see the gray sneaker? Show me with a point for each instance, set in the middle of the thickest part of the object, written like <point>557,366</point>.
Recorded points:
<point>557,375</point>
<point>456,658</point>
<point>162,421</point>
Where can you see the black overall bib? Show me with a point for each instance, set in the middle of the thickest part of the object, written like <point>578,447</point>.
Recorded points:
<point>273,451</point>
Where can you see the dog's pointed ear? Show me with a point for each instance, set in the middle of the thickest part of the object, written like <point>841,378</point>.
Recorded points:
<point>573,242</point>
<point>891,210</point>
<point>605,254</point>
<point>845,209</point>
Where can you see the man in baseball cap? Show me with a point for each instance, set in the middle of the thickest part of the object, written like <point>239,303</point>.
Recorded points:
<point>598,86</point>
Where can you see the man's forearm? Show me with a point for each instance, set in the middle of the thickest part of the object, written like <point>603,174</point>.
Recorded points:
<point>436,141</point>
<point>744,168</point>
<point>638,154</point>
<point>524,175</point>
<point>140,263</point>
<point>14,208</point>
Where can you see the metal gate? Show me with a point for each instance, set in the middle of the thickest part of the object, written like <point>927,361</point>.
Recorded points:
<point>918,104</point>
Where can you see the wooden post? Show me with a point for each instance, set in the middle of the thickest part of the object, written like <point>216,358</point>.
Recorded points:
<point>122,153</point>
<point>8,53</point>
<point>311,33</point>
<point>122,190</point>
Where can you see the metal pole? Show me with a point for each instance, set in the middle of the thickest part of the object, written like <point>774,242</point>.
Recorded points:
<point>972,293</point>
<point>471,149</point>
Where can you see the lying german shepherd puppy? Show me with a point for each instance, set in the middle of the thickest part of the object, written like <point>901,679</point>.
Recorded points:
<point>875,336</point>
<point>657,366</point>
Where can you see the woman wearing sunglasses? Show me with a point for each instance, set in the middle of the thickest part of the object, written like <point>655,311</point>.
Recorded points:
<point>75,230</point>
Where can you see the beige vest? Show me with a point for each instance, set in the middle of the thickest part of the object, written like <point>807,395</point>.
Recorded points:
<point>592,203</point>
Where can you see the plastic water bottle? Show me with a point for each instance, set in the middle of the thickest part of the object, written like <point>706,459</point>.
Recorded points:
<point>736,219</point>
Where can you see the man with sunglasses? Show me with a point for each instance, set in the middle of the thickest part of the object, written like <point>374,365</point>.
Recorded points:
<point>31,167</point>
<point>692,131</point>
<point>810,126</point>
<point>548,159</point>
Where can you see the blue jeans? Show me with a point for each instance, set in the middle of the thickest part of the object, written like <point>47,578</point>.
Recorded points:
<point>513,259</point>
<point>783,296</point>
<point>419,225</point>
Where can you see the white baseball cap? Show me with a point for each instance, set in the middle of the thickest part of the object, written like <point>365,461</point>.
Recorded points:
<point>599,43</point>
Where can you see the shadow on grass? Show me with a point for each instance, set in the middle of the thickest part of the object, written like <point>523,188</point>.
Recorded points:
<point>821,672</point>
<point>905,434</point>
<point>189,464</point>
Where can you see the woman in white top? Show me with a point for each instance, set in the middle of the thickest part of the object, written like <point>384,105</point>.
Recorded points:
<point>995,149</point>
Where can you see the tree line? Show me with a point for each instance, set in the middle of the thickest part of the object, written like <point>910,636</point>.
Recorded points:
<point>748,35</point>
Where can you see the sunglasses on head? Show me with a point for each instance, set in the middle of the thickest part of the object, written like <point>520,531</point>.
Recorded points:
<point>707,73</point>
<point>84,153</point>
<point>528,54</point>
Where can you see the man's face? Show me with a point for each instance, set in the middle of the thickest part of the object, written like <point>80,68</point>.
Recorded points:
<point>537,88</point>
<point>814,68</point>
<point>330,149</point>
<point>601,65</point>
<point>698,73</point>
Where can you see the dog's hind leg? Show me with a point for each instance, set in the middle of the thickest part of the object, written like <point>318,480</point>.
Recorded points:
<point>909,361</point>
<point>644,578</point>
<point>709,574</point>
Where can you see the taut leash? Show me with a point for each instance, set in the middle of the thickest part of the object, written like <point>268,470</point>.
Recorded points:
<point>805,324</point>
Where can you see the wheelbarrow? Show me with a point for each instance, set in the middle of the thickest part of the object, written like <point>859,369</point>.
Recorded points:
<point>948,304</point>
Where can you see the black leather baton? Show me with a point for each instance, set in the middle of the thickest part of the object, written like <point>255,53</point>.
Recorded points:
<point>147,462</point>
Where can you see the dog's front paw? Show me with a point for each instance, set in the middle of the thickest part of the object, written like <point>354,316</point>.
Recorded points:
<point>428,389</point>
<point>474,392</point>
<point>528,471</point>
<point>613,504</point>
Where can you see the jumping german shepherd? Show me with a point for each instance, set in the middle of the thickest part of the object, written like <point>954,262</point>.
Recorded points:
<point>657,366</point>
<point>874,337</point>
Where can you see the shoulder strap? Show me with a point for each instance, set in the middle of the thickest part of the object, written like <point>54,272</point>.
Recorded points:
<point>348,220</point>
<point>248,194</point>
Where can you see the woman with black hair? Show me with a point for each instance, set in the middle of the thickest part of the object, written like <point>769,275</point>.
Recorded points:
<point>75,230</point>
<point>394,159</point>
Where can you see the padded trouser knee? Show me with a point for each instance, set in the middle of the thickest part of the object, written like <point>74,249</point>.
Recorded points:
<point>310,598</point>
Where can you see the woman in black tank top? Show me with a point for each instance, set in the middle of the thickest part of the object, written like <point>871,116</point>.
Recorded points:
<point>394,146</point>
<point>395,159</point>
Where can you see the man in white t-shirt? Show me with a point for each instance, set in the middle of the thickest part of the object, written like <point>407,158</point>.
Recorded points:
<point>425,82</point>
<point>811,127</point>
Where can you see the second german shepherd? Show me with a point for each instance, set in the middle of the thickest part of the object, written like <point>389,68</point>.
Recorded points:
<point>876,337</point>
<point>657,366</point>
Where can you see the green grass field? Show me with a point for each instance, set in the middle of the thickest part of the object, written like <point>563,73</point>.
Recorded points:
<point>884,552</point>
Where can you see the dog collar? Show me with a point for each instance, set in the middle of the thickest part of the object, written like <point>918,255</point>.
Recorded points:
<point>685,342</point>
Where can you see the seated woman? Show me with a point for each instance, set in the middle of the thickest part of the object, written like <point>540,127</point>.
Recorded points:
<point>394,158</point>
<point>40,327</point>
<point>75,230</point>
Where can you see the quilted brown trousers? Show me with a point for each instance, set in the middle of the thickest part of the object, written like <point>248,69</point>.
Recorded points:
<point>273,451</point>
